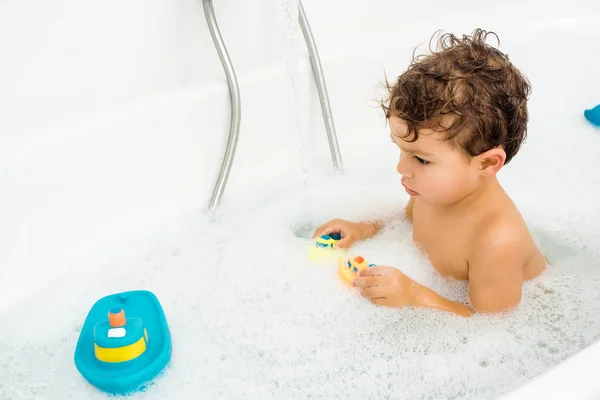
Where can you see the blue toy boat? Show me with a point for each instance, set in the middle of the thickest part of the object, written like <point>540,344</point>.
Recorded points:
<point>124,343</point>
<point>593,116</point>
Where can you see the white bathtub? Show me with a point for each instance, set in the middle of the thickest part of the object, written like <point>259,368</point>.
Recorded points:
<point>114,115</point>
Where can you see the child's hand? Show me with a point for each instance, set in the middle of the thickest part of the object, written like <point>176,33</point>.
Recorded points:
<point>386,286</point>
<point>349,231</point>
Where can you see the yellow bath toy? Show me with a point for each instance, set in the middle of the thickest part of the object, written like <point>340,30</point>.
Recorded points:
<point>349,267</point>
<point>324,247</point>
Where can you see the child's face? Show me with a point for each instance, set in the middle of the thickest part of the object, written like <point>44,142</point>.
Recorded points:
<point>433,171</point>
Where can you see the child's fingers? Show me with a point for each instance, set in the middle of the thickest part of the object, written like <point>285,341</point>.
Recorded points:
<point>334,228</point>
<point>377,270</point>
<point>345,242</point>
<point>380,301</point>
<point>370,281</point>
<point>318,231</point>
<point>375,292</point>
<point>327,229</point>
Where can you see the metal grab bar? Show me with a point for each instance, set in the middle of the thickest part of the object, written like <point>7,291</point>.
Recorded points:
<point>321,87</point>
<point>234,95</point>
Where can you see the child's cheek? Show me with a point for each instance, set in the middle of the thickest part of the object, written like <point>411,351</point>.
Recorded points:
<point>443,185</point>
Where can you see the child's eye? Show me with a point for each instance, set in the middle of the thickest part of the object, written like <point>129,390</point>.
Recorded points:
<point>421,161</point>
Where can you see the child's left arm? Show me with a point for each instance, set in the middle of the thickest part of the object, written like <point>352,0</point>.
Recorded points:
<point>387,286</point>
<point>495,283</point>
<point>496,276</point>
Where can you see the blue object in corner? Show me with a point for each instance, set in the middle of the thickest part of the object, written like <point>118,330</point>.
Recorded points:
<point>593,116</point>
<point>124,343</point>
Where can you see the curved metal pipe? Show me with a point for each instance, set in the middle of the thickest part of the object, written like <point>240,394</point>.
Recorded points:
<point>321,87</point>
<point>234,95</point>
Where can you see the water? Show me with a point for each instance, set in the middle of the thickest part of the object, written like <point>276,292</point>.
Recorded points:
<point>283,17</point>
<point>251,316</point>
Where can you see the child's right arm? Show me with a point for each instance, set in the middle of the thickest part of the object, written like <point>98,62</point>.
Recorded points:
<point>354,231</point>
<point>350,231</point>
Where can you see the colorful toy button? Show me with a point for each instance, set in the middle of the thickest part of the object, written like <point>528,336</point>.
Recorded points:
<point>116,317</point>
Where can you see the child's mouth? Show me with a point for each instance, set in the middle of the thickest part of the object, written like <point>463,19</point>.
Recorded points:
<point>410,191</point>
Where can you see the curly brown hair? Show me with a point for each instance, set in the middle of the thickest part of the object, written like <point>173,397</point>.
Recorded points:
<point>469,91</point>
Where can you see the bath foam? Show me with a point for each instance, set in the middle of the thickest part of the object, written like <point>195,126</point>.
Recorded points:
<point>253,318</point>
<point>553,249</point>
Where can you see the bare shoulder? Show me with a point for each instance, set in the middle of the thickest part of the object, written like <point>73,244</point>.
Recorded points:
<point>503,227</point>
<point>503,235</point>
<point>502,256</point>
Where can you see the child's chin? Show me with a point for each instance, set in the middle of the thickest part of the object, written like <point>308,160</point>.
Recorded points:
<point>421,200</point>
<point>428,201</point>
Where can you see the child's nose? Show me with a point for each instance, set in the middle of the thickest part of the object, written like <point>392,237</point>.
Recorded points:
<point>402,166</point>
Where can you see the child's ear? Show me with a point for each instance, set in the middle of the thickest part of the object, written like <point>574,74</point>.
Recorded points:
<point>492,160</point>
